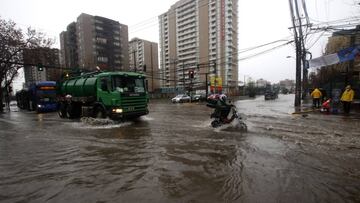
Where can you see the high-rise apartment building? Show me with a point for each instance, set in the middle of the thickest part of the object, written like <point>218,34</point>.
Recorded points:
<point>143,57</point>
<point>204,33</point>
<point>95,41</point>
<point>68,46</point>
<point>45,57</point>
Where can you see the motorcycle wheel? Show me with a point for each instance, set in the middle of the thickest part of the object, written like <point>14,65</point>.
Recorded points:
<point>215,123</point>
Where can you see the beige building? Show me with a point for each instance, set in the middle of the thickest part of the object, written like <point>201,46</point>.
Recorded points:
<point>98,42</point>
<point>199,36</point>
<point>143,57</point>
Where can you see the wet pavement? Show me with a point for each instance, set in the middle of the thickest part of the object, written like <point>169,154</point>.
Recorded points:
<point>173,155</point>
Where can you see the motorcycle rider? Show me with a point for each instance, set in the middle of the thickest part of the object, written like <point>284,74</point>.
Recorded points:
<point>222,108</point>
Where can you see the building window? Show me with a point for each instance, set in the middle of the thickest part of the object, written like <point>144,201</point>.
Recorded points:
<point>102,59</point>
<point>99,28</point>
<point>101,40</point>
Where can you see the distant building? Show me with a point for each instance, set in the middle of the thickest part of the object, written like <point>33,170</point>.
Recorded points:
<point>204,32</point>
<point>287,84</point>
<point>143,57</point>
<point>95,41</point>
<point>262,83</point>
<point>46,58</point>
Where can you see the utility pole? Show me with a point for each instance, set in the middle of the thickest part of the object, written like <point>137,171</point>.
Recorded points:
<point>174,61</point>
<point>244,85</point>
<point>297,102</point>
<point>302,53</point>
<point>206,84</point>
<point>152,68</point>
<point>215,72</point>
<point>183,67</point>
<point>134,56</point>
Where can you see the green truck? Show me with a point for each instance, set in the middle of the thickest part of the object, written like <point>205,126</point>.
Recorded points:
<point>117,95</point>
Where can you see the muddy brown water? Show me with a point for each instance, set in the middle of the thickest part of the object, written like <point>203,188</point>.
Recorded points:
<point>173,155</point>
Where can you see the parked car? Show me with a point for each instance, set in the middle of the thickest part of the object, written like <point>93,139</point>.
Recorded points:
<point>181,98</point>
<point>198,98</point>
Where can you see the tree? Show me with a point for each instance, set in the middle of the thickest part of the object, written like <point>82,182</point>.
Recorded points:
<point>12,44</point>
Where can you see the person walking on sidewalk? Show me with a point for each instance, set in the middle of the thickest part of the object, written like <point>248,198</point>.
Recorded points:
<point>316,96</point>
<point>346,98</point>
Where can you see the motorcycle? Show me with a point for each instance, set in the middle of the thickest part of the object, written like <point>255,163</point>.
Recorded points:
<point>220,120</point>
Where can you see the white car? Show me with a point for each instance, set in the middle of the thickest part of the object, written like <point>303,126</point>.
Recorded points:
<point>181,98</point>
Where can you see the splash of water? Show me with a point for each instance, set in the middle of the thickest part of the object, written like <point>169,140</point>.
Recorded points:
<point>97,123</point>
<point>235,126</point>
<point>146,118</point>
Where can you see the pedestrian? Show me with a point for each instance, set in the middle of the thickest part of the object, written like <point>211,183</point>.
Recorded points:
<point>316,96</point>
<point>346,98</point>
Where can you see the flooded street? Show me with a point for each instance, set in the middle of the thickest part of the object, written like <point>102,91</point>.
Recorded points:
<point>173,155</point>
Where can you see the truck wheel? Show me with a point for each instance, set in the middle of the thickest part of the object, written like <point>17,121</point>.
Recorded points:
<point>76,110</point>
<point>99,112</point>
<point>62,110</point>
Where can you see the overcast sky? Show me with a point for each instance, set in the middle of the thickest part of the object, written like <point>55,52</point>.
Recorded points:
<point>260,22</point>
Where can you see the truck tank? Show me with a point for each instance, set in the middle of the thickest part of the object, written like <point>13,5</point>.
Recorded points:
<point>80,87</point>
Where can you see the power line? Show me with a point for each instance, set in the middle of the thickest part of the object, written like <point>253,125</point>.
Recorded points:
<point>266,51</point>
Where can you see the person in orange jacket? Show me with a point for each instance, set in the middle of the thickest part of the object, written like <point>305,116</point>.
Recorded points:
<point>346,98</point>
<point>316,95</point>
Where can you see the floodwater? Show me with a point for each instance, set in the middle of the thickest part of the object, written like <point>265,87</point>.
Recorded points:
<point>173,155</point>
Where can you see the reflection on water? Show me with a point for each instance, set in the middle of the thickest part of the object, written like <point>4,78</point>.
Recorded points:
<point>173,155</point>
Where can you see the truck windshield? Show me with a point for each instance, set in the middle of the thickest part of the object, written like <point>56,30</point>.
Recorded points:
<point>128,84</point>
<point>46,95</point>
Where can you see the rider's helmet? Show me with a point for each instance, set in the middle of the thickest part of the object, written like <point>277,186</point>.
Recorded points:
<point>223,98</point>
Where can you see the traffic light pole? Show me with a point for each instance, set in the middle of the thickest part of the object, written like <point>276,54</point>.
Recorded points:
<point>215,72</point>
<point>206,84</point>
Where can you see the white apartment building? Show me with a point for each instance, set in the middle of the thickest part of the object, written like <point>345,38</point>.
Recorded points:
<point>203,32</point>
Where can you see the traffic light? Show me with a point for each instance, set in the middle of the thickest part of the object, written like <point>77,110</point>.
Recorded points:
<point>144,68</point>
<point>40,67</point>
<point>198,66</point>
<point>191,74</point>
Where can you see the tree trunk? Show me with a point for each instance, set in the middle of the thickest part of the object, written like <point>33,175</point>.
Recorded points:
<point>1,99</point>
